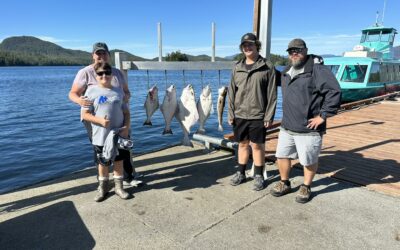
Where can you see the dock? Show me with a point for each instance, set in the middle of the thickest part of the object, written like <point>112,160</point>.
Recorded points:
<point>188,203</point>
<point>361,147</point>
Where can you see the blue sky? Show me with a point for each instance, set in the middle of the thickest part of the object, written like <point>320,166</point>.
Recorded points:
<point>328,27</point>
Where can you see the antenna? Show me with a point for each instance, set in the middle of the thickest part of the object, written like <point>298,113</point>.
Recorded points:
<point>383,12</point>
<point>376,20</point>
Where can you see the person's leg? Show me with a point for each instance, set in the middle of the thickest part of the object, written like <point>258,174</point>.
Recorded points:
<point>259,164</point>
<point>243,157</point>
<point>243,152</point>
<point>118,178</point>
<point>309,173</point>
<point>285,151</point>
<point>308,148</point>
<point>102,190</point>
<point>284,166</point>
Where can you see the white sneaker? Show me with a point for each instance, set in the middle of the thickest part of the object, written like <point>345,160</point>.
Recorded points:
<point>133,183</point>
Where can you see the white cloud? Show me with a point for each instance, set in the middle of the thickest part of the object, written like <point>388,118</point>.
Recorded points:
<point>57,40</point>
<point>319,44</point>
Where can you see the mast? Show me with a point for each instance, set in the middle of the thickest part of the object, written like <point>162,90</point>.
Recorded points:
<point>262,21</point>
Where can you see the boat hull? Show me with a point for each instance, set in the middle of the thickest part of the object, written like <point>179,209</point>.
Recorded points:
<point>356,94</point>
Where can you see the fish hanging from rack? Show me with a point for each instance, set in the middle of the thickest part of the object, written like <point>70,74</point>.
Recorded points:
<point>151,104</point>
<point>204,108</point>
<point>186,113</point>
<point>168,108</point>
<point>221,105</point>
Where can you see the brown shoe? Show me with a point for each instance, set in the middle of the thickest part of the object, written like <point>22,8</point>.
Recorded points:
<point>304,194</point>
<point>280,189</point>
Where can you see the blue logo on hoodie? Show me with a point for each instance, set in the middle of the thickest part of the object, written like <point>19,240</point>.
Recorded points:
<point>102,99</point>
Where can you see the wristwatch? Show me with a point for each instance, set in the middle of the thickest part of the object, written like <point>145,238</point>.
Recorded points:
<point>323,115</point>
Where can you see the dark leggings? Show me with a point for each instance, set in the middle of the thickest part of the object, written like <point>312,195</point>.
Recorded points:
<point>127,159</point>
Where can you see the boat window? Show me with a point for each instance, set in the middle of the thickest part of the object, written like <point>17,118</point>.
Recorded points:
<point>397,72</point>
<point>334,68</point>
<point>384,73</point>
<point>373,36</point>
<point>354,73</point>
<point>386,37</point>
<point>374,74</point>
<point>363,37</point>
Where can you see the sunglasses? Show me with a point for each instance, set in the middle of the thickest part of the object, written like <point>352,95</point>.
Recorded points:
<point>101,73</point>
<point>295,50</point>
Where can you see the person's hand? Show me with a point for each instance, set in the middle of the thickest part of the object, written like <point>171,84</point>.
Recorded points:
<point>313,123</point>
<point>127,96</point>
<point>85,102</point>
<point>230,122</point>
<point>267,124</point>
<point>105,122</point>
<point>124,132</point>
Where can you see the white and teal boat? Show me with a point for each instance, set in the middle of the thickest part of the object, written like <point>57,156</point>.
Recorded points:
<point>370,69</point>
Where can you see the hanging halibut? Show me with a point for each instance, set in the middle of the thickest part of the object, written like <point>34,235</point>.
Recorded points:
<point>221,105</point>
<point>168,108</point>
<point>204,107</point>
<point>186,113</point>
<point>151,104</point>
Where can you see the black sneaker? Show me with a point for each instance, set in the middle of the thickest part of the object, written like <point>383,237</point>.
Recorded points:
<point>304,194</point>
<point>280,189</point>
<point>238,178</point>
<point>258,183</point>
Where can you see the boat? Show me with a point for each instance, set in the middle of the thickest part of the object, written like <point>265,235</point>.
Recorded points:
<point>371,69</point>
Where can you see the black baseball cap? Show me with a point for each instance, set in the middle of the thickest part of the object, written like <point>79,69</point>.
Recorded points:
<point>248,37</point>
<point>297,43</point>
<point>100,46</point>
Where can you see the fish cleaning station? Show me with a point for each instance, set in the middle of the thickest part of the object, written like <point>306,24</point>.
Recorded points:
<point>188,203</point>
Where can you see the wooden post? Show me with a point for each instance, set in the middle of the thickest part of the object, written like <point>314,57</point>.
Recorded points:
<point>120,57</point>
<point>256,17</point>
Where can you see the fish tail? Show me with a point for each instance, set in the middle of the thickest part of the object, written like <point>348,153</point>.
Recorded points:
<point>186,142</point>
<point>167,132</point>
<point>147,123</point>
<point>201,131</point>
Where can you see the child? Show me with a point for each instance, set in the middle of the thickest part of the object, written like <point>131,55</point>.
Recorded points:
<point>108,115</point>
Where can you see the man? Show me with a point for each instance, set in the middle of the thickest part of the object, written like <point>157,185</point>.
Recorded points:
<point>310,94</point>
<point>85,79</point>
<point>252,98</point>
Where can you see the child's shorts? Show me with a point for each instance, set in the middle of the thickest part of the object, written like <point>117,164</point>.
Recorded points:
<point>122,154</point>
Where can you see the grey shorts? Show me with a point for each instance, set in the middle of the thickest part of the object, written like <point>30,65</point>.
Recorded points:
<point>306,148</point>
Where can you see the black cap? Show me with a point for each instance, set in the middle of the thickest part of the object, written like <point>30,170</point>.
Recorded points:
<point>100,46</point>
<point>297,43</point>
<point>248,37</point>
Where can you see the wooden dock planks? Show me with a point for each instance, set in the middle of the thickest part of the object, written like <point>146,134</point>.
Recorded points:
<point>362,146</point>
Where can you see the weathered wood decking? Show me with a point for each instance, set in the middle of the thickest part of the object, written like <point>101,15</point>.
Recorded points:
<point>361,146</point>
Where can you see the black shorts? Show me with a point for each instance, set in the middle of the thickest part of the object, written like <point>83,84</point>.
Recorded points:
<point>252,130</point>
<point>122,154</point>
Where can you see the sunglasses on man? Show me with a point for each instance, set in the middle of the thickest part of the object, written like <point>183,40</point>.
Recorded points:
<point>295,50</point>
<point>101,73</point>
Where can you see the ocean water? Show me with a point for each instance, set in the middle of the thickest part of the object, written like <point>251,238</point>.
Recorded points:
<point>41,136</point>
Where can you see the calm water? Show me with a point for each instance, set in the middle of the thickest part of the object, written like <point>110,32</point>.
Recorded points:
<point>41,136</point>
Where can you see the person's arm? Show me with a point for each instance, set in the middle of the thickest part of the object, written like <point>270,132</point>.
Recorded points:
<point>127,93</point>
<point>124,131</point>
<point>272,98</point>
<point>76,96</point>
<point>330,89</point>
<point>231,99</point>
<point>88,116</point>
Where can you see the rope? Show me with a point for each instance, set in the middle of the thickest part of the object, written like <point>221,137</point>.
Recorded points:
<point>201,72</point>
<point>166,79</point>
<point>219,78</point>
<point>184,80</point>
<point>148,79</point>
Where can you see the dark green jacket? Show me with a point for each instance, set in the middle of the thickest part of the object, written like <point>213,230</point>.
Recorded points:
<point>253,94</point>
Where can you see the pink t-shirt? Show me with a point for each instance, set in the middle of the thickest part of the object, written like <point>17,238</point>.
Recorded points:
<point>87,77</point>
